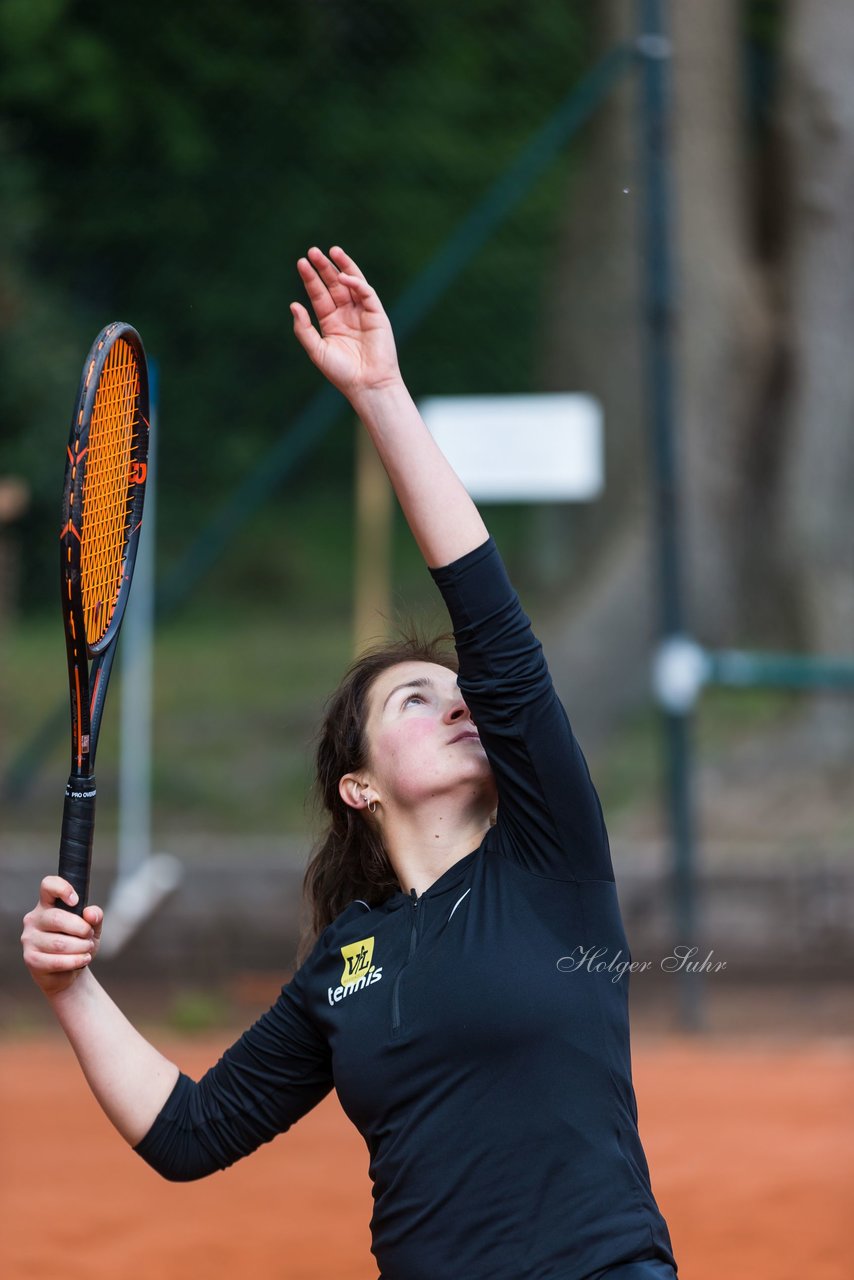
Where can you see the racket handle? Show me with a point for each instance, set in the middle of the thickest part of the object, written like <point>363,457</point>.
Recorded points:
<point>75,841</point>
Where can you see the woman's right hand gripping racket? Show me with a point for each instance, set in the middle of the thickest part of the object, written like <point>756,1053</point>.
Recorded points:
<point>101,516</point>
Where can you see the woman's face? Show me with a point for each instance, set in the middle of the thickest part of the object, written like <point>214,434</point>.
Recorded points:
<point>422,742</point>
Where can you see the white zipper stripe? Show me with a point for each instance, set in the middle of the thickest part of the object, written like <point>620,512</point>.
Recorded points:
<point>457,903</point>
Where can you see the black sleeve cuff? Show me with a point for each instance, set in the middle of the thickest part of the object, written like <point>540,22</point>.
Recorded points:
<point>474,587</point>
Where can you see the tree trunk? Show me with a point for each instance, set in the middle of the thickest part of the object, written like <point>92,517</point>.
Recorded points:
<point>590,315</point>
<point>599,639</point>
<point>818,121</point>
<point>725,333</point>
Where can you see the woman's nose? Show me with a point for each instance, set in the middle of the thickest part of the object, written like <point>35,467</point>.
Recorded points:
<point>457,711</point>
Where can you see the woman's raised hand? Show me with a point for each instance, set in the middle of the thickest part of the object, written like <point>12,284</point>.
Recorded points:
<point>354,347</point>
<point>58,945</point>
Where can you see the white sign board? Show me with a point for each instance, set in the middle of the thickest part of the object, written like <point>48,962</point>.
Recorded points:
<point>526,448</point>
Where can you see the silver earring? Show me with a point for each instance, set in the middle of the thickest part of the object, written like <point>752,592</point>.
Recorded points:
<point>372,806</point>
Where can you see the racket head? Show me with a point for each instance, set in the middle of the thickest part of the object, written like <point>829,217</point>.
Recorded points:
<point>104,491</point>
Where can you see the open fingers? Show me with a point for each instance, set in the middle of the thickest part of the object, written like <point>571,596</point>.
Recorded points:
<point>359,286</point>
<point>305,331</point>
<point>344,262</point>
<point>324,266</point>
<point>316,287</point>
<point>325,271</point>
<point>330,284</point>
<point>341,277</point>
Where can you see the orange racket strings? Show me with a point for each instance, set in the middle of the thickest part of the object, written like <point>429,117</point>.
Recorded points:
<point>106,488</point>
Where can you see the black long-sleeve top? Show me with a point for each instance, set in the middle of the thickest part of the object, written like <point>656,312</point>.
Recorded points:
<point>489,1076</point>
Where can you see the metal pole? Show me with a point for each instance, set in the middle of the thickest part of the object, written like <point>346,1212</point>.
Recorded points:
<point>374,515</point>
<point>144,879</point>
<point>655,49</point>
<point>137,643</point>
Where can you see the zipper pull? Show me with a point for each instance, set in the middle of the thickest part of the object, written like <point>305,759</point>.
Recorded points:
<point>413,933</point>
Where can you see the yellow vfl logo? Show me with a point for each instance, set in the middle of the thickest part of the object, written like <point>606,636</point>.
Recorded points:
<point>359,969</point>
<point>357,960</point>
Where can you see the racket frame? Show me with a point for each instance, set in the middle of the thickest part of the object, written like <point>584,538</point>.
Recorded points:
<point>88,685</point>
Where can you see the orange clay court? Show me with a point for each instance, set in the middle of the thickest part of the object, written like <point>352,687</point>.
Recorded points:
<point>749,1143</point>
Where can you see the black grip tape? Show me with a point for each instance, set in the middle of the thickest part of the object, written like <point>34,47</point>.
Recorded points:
<point>75,842</point>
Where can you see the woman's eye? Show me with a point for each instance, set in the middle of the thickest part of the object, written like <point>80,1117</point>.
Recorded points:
<point>412,697</point>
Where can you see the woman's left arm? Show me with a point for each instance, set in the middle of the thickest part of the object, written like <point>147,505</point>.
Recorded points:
<point>354,348</point>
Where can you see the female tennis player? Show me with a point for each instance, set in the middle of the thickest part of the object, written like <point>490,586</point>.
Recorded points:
<point>464,873</point>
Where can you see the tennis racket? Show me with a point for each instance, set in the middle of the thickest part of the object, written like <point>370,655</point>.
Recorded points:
<point>102,501</point>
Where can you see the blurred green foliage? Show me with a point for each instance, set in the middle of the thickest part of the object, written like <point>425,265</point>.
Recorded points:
<point>240,764</point>
<point>197,1011</point>
<point>167,166</point>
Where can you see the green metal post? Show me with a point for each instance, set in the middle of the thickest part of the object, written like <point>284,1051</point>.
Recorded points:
<point>654,49</point>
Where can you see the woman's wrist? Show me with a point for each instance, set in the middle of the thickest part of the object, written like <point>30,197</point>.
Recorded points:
<point>370,402</point>
<point>72,993</point>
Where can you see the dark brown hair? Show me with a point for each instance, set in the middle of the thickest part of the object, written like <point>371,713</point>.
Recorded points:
<point>350,861</point>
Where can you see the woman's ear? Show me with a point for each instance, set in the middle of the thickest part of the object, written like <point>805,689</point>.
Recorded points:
<point>355,792</point>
